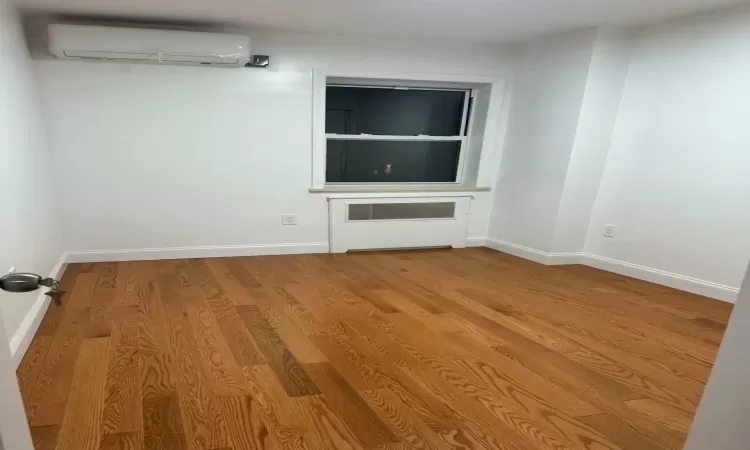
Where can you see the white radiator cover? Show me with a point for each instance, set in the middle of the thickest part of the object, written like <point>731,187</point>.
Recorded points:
<point>346,233</point>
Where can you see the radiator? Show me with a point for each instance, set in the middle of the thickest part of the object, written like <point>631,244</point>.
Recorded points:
<point>397,222</point>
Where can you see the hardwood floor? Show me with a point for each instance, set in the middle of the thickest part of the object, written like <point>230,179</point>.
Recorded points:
<point>465,349</point>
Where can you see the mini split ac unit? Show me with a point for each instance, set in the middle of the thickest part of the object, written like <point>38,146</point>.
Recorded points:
<point>84,42</point>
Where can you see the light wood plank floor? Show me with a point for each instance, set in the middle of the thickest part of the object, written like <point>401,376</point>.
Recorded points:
<point>465,349</point>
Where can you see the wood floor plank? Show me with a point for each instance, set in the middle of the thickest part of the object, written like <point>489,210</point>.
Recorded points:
<point>81,427</point>
<point>710,324</point>
<point>515,390</point>
<point>164,441</point>
<point>320,307</point>
<point>53,316</point>
<point>350,407</point>
<point>412,431</point>
<point>281,416</point>
<point>235,282</point>
<point>130,284</point>
<point>295,340</point>
<point>193,391</point>
<point>158,374</point>
<point>297,313</point>
<point>122,441</point>
<point>288,370</point>
<point>673,418</point>
<point>353,366</point>
<point>161,415</point>
<point>571,378</point>
<point>225,377</point>
<point>620,432</point>
<point>431,410</point>
<point>31,365</point>
<point>244,421</point>
<point>83,290</point>
<point>203,428</point>
<point>429,349</point>
<point>220,303</point>
<point>619,372</point>
<point>240,341</point>
<point>45,438</point>
<point>560,367</point>
<point>123,400</point>
<point>609,356</point>
<point>408,305</point>
<point>103,301</point>
<point>152,327</point>
<point>50,395</point>
<point>473,401</point>
<point>329,431</point>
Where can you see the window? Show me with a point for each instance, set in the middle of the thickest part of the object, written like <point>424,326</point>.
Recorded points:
<point>384,131</point>
<point>386,134</point>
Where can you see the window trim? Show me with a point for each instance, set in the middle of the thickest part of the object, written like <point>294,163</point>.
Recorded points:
<point>486,150</point>
<point>465,135</point>
<point>397,86</point>
<point>394,137</point>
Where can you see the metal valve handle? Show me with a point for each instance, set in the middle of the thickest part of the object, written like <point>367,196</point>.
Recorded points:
<point>27,282</point>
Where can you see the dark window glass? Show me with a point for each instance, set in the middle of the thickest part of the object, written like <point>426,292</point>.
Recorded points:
<point>357,161</point>
<point>357,110</point>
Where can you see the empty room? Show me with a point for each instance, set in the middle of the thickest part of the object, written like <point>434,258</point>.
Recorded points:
<point>374,225</point>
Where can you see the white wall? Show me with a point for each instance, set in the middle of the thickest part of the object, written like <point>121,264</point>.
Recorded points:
<point>160,157</point>
<point>601,99</point>
<point>676,182</point>
<point>721,420</point>
<point>548,90</point>
<point>181,157</point>
<point>646,133</point>
<point>28,216</point>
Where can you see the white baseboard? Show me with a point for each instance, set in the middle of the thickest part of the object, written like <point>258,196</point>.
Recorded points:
<point>517,250</point>
<point>225,251</point>
<point>26,330</point>
<point>673,280</point>
<point>550,259</point>
<point>142,254</point>
<point>476,241</point>
<point>562,259</point>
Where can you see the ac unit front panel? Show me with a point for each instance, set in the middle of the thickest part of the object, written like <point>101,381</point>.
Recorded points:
<point>145,45</point>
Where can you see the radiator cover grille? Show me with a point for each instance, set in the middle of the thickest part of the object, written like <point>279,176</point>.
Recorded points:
<point>401,211</point>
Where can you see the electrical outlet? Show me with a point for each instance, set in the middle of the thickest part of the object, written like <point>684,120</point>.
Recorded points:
<point>609,231</point>
<point>289,219</point>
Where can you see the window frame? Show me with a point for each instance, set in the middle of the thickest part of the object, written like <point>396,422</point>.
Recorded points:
<point>491,87</point>
<point>463,138</point>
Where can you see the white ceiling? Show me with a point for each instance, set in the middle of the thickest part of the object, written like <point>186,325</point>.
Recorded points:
<point>468,20</point>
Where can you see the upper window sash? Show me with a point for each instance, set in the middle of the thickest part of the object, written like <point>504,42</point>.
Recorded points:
<point>460,132</point>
